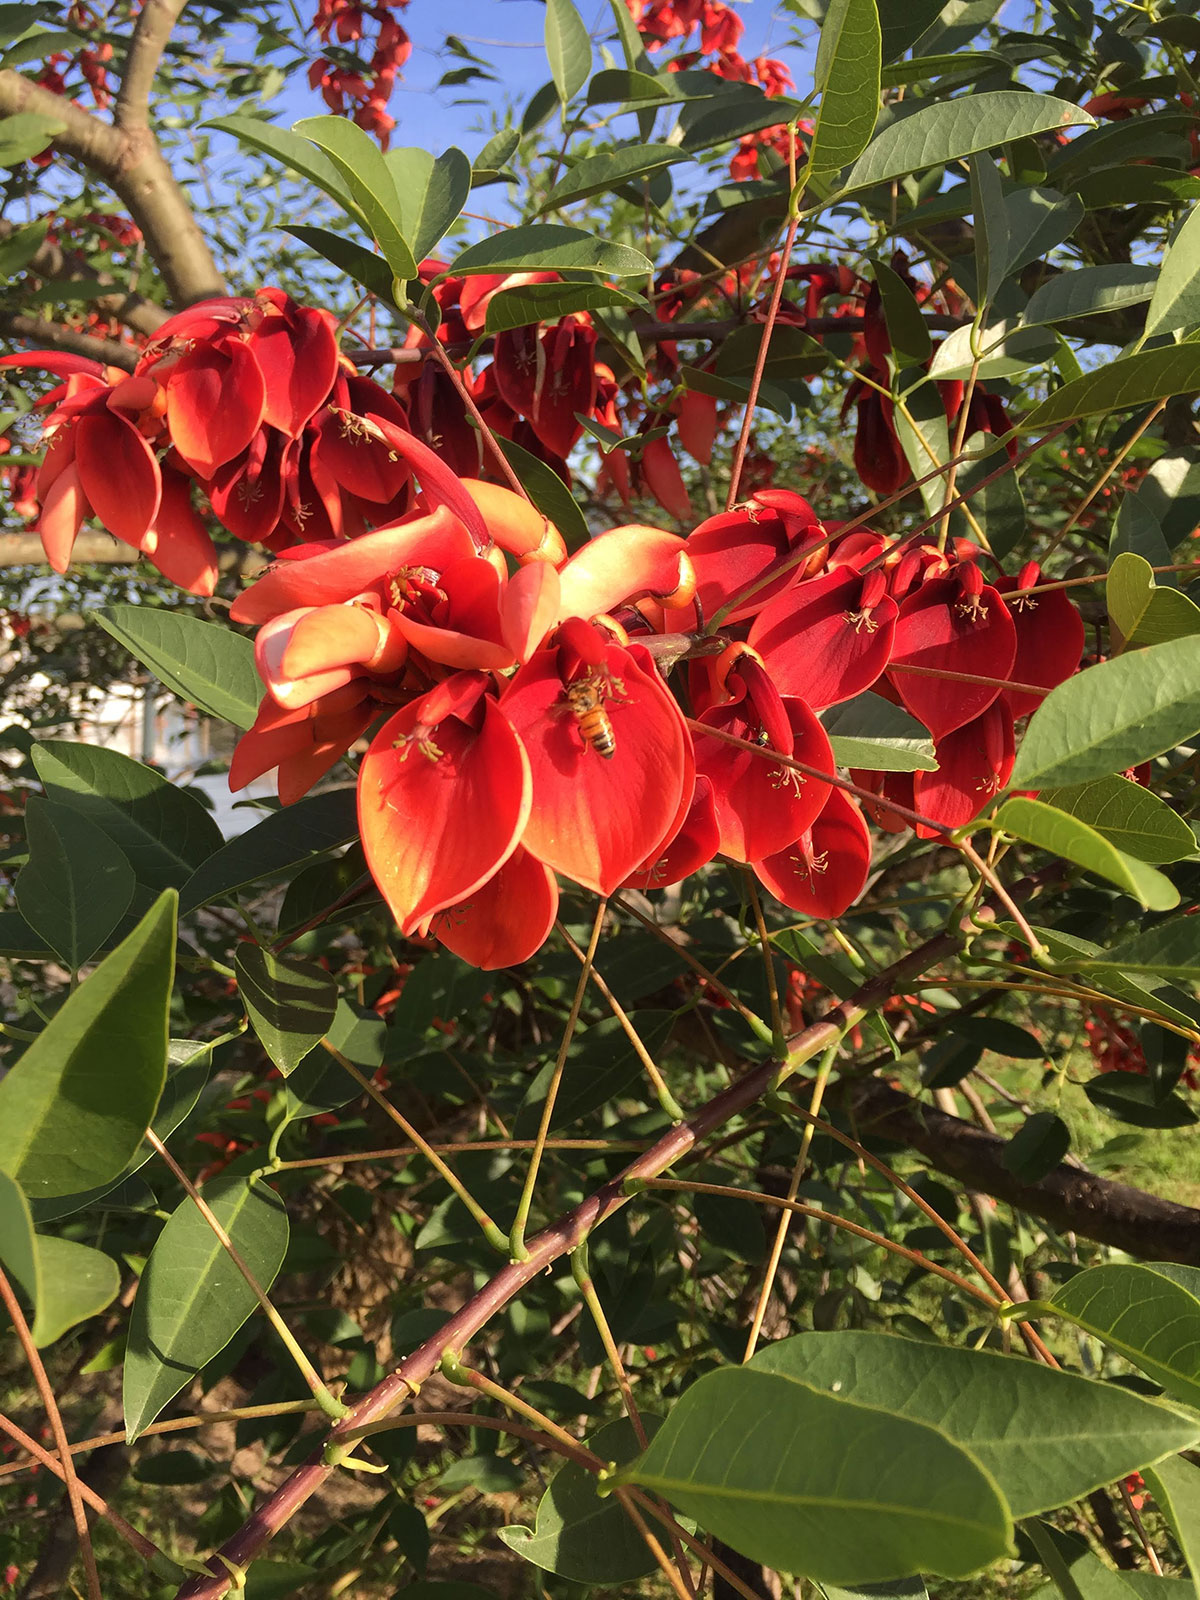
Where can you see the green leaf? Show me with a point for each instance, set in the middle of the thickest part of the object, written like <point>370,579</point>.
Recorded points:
<point>871,732</point>
<point>741,108</point>
<point>545,302</point>
<point>75,1106</point>
<point>1129,816</point>
<point>320,1082</point>
<point>1066,835</point>
<point>1175,1485</point>
<point>1150,1319</point>
<point>1045,1437</point>
<point>1176,301</point>
<point>1120,385</point>
<point>1132,1097</point>
<point>1138,530</point>
<point>1088,291</point>
<point>75,1283</point>
<point>545,246</point>
<point>289,837</point>
<point>902,313</point>
<point>1006,347</point>
<point>19,249</point>
<point>26,134</point>
<point>1135,185</point>
<point>848,77</point>
<point>164,833</point>
<point>290,1002</point>
<point>1037,1147</point>
<point>1112,716</point>
<point>991,228</point>
<point>18,1244</point>
<point>292,151</point>
<point>640,90</point>
<point>870,1496</point>
<point>363,166</point>
<point>607,171</point>
<point>432,190</point>
<point>1141,611</point>
<point>548,493</point>
<point>952,129</point>
<point>1037,219</point>
<point>350,257</point>
<point>731,1225</point>
<point>1172,949</point>
<point>924,434</point>
<point>578,1535</point>
<point>191,1299</point>
<point>568,48</point>
<point>76,885</point>
<point>902,22</point>
<point>206,663</point>
<point>995,1034</point>
<point>632,47</point>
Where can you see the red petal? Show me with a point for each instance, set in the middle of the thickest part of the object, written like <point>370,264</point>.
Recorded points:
<point>441,486</point>
<point>270,648</point>
<point>940,626</point>
<point>665,481</point>
<point>818,643</point>
<point>507,919</point>
<point>529,608</point>
<point>698,425</point>
<point>358,459</point>
<point>974,763</point>
<point>179,543</point>
<point>247,493</point>
<point>216,400</point>
<point>515,524</point>
<point>298,356</point>
<point>438,817</point>
<point>597,820</point>
<point>696,843</point>
<point>1050,640</point>
<point>734,550</point>
<point>119,474</point>
<point>63,510</point>
<point>824,872</point>
<point>762,806</point>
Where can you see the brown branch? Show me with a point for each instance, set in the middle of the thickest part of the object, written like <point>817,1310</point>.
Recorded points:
<point>53,336</point>
<point>155,22</point>
<point>131,163</point>
<point>1068,1198</point>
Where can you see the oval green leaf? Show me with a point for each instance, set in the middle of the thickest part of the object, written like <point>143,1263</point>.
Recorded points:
<point>75,1283</point>
<point>868,1497</point>
<point>953,129</point>
<point>1112,716</point>
<point>364,168</point>
<point>1129,816</point>
<point>602,173</point>
<point>568,48</point>
<point>1142,1314</point>
<point>1176,302</point>
<point>75,1106</point>
<point>1120,385</point>
<point>289,837</point>
<point>205,663</point>
<point>1067,836</point>
<point>290,1002</point>
<point>1047,1437</point>
<point>871,732</point>
<point>848,73</point>
<point>76,885</point>
<point>191,1299</point>
<point>544,246</point>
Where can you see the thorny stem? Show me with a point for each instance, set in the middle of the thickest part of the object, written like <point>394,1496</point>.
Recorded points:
<point>760,363</point>
<point>516,1241</point>
<point>492,1232</point>
<point>764,1295</point>
<point>797,1208</point>
<point>665,1098</point>
<point>61,1443</point>
<point>328,1402</point>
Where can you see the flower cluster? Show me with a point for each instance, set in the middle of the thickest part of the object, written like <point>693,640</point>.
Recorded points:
<point>91,60</point>
<point>523,705</point>
<point>344,22</point>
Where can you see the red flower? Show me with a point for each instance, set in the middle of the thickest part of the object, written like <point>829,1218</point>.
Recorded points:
<point>443,796</point>
<point>828,638</point>
<point>974,763</point>
<point>507,919</point>
<point>1050,638</point>
<point>825,870</point>
<point>609,755</point>
<point>952,624</point>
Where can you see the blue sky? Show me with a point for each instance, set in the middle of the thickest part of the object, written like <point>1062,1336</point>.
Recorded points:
<point>507,34</point>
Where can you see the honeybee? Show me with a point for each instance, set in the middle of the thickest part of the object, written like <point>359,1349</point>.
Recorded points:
<point>585,699</point>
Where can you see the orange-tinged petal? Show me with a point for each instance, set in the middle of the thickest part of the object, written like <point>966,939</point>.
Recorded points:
<point>441,486</point>
<point>624,564</point>
<point>507,919</point>
<point>441,806</point>
<point>271,646</point>
<point>179,543</point>
<point>63,510</point>
<point>341,636</point>
<point>515,524</point>
<point>529,608</point>
<point>216,399</point>
<point>329,576</point>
